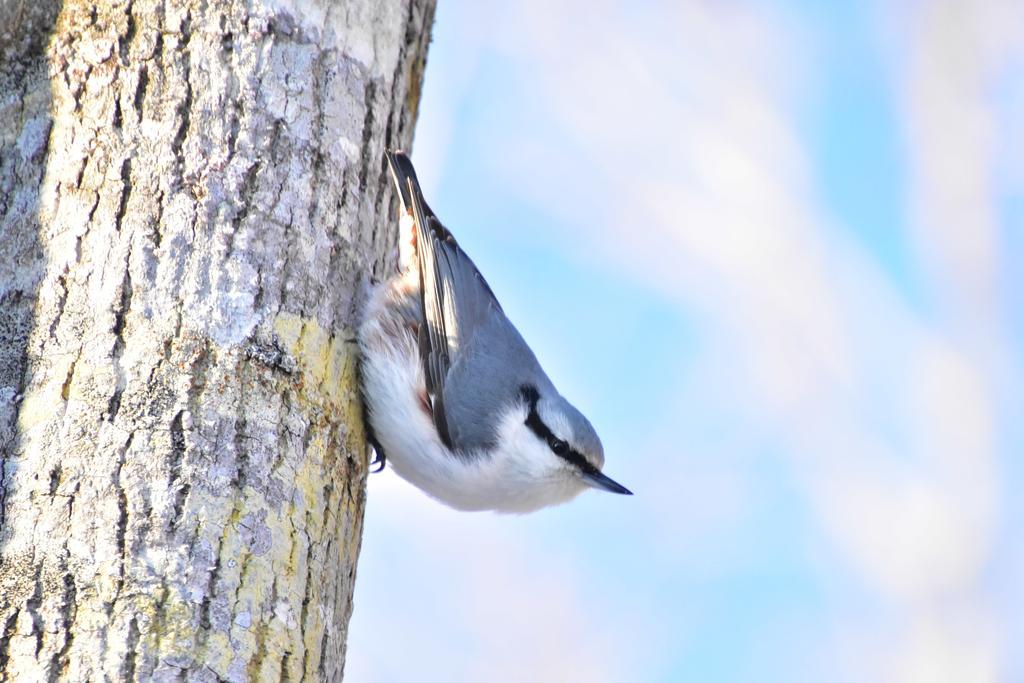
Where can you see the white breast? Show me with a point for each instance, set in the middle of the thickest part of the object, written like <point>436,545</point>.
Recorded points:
<point>521,475</point>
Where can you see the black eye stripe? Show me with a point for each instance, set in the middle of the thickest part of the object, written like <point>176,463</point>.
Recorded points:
<point>537,426</point>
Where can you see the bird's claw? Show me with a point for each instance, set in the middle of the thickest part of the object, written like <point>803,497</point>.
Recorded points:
<point>379,459</point>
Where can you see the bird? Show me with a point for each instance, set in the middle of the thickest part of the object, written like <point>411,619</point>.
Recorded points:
<point>454,398</point>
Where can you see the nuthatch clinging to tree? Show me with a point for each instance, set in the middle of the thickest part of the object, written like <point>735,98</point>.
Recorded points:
<point>455,399</point>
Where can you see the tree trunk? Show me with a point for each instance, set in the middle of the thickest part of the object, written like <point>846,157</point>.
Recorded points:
<point>191,196</point>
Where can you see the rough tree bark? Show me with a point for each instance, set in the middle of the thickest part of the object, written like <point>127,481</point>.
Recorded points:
<point>191,193</point>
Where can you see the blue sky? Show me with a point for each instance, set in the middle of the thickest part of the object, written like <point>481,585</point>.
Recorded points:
<point>775,252</point>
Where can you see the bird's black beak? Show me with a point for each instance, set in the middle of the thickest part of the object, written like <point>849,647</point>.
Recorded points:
<point>598,481</point>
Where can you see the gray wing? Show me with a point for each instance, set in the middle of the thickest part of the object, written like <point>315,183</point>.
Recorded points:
<point>465,327</point>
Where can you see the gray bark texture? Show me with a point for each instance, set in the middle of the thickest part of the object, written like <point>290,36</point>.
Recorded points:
<point>192,196</point>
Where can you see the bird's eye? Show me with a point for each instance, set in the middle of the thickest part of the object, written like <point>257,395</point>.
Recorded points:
<point>558,446</point>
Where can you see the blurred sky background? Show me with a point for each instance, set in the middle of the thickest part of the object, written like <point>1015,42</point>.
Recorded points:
<point>775,252</point>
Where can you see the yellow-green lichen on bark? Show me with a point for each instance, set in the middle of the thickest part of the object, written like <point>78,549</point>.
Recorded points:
<point>329,371</point>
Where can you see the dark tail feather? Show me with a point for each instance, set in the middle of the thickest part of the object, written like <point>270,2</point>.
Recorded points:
<point>402,173</point>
